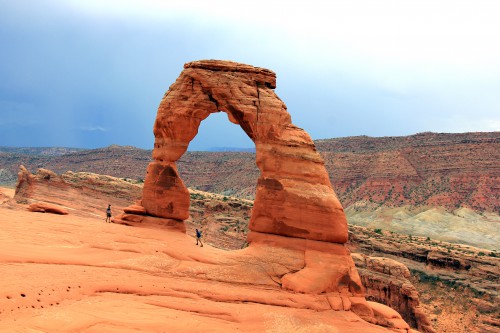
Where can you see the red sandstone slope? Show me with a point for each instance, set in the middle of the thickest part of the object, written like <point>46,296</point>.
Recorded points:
<point>443,269</point>
<point>84,275</point>
<point>224,222</point>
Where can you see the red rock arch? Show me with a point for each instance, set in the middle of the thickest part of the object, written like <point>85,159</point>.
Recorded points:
<point>294,195</point>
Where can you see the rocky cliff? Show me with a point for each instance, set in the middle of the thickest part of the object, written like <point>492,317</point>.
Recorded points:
<point>442,272</point>
<point>426,169</point>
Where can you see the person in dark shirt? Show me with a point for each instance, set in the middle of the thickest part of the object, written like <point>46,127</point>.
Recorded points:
<point>198,238</point>
<point>108,214</point>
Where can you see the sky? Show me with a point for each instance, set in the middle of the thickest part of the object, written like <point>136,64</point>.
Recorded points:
<point>91,73</point>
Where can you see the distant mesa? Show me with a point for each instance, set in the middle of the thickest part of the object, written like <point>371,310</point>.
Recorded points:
<point>115,146</point>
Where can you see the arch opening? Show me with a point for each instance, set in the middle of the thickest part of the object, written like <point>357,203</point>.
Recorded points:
<point>217,133</point>
<point>221,182</point>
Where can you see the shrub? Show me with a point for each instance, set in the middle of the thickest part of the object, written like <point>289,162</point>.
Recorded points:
<point>378,231</point>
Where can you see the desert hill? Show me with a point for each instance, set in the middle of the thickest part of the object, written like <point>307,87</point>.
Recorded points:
<point>445,186</point>
<point>449,170</point>
<point>116,161</point>
<point>436,169</point>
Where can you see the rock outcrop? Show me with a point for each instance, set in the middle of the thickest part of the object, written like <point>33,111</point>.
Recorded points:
<point>387,281</point>
<point>294,195</point>
<point>43,207</point>
<point>224,221</point>
<point>81,193</point>
<point>80,274</point>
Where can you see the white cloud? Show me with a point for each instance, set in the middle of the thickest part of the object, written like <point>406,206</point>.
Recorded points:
<point>384,32</point>
<point>415,65</point>
<point>94,128</point>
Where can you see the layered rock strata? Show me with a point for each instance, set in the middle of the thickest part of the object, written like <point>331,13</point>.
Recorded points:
<point>75,193</point>
<point>387,281</point>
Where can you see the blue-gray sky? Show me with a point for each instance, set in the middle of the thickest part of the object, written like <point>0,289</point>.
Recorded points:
<point>91,73</point>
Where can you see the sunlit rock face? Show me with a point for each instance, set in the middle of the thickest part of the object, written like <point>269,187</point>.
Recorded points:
<point>294,195</point>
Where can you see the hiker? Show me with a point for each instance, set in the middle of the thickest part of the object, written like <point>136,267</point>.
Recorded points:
<point>108,214</point>
<point>198,238</point>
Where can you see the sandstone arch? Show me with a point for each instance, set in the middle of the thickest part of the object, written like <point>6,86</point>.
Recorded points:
<point>298,227</point>
<point>294,195</point>
<point>295,209</point>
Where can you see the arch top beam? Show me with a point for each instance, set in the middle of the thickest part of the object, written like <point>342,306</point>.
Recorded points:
<point>262,75</point>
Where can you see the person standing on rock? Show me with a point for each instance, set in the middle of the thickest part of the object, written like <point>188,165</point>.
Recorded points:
<point>198,238</point>
<point>108,214</point>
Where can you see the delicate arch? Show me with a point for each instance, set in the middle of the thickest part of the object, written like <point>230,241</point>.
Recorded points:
<point>294,195</point>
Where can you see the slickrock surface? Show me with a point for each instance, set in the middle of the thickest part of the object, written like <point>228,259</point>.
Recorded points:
<point>79,274</point>
<point>224,223</point>
<point>442,271</point>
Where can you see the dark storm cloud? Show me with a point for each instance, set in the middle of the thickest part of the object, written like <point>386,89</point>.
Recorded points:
<point>91,73</point>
